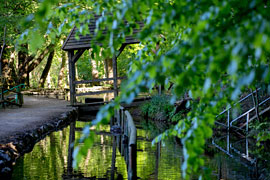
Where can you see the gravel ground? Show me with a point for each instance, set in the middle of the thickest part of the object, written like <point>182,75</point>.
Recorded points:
<point>35,112</point>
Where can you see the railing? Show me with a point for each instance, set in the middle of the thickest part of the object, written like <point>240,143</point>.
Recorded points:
<point>234,152</point>
<point>15,98</point>
<point>246,114</point>
<point>130,135</point>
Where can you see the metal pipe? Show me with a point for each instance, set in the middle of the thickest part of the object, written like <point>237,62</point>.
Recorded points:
<point>247,122</point>
<point>228,120</point>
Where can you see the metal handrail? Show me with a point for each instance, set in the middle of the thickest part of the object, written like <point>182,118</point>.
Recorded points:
<point>15,87</point>
<point>17,93</point>
<point>230,147</point>
<point>130,131</point>
<point>247,113</point>
<point>244,98</point>
<point>242,115</point>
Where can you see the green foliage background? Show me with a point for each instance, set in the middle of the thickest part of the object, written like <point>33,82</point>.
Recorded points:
<point>212,49</point>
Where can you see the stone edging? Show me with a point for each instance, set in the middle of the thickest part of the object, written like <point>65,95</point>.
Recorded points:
<point>25,142</point>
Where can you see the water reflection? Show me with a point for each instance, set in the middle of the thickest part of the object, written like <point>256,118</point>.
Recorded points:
<point>111,172</point>
<point>51,158</point>
<point>239,150</point>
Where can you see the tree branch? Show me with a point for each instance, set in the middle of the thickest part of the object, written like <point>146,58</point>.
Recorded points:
<point>39,59</point>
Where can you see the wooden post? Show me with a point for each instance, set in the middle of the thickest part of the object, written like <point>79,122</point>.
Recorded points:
<point>71,65</point>
<point>158,148</point>
<point>2,100</point>
<point>115,88</point>
<point>114,61</point>
<point>132,165</point>
<point>20,95</point>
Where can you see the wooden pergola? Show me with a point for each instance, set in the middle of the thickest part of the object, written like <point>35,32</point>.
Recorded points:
<point>76,48</point>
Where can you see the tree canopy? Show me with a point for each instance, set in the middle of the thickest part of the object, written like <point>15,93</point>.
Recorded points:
<point>212,50</point>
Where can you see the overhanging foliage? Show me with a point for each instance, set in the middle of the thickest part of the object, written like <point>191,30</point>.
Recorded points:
<point>212,49</point>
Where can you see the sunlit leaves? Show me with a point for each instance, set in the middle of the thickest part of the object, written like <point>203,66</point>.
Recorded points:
<point>212,49</point>
<point>36,41</point>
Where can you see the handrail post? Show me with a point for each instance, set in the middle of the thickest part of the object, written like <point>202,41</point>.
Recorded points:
<point>17,95</point>
<point>228,120</point>
<point>228,142</point>
<point>247,154</point>
<point>247,122</point>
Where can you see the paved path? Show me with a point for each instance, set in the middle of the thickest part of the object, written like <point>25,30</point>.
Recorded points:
<point>34,112</point>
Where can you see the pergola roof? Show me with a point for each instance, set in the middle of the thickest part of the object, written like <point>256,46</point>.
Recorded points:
<point>84,42</point>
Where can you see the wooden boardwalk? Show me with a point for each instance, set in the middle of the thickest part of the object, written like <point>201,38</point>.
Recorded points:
<point>35,112</point>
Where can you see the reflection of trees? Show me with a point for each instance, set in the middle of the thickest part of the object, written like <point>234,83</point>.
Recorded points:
<point>236,156</point>
<point>46,159</point>
<point>158,162</point>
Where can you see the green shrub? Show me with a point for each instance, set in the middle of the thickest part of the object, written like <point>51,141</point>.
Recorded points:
<point>159,108</point>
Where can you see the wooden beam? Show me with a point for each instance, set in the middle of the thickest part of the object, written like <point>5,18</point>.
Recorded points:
<point>94,80</point>
<point>94,93</point>
<point>121,50</point>
<point>63,47</point>
<point>71,65</point>
<point>90,104</point>
<point>97,80</point>
<point>78,55</point>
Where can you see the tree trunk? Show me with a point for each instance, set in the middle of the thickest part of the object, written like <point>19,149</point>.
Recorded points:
<point>13,74</point>
<point>1,54</point>
<point>94,71</point>
<point>22,63</point>
<point>10,69</point>
<point>28,63</point>
<point>46,70</point>
<point>108,67</point>
<point>8,66</point>
<point>62,70</point>
<point>49,81</point>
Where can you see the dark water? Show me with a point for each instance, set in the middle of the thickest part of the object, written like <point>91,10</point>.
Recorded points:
<point>49,159</point>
